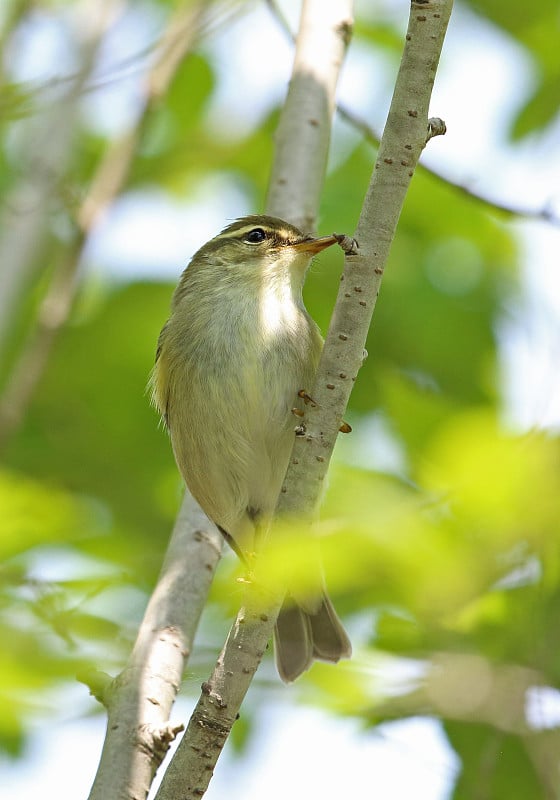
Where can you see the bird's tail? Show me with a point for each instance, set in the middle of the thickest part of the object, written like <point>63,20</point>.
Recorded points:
<point>303,635</point>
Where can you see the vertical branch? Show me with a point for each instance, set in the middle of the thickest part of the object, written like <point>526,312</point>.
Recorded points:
<point>303,135</point>
<point>406,133</point>
<point>139,700</point>
<point>297,177</point>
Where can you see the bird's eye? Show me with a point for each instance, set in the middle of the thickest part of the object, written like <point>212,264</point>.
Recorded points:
<point>255,236</point>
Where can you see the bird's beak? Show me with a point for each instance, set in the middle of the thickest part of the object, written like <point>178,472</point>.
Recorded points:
<point>312,246</point>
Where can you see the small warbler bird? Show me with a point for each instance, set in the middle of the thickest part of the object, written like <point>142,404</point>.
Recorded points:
<point>238,347</point>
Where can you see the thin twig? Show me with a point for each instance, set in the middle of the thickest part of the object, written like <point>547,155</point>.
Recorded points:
<point>38,93</point>
<point>545,214</point>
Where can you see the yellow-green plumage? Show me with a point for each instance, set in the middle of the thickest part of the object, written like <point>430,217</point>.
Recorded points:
<point>236,350</point>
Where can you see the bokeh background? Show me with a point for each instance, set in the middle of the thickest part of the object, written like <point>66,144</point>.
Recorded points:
<point>131,132</point>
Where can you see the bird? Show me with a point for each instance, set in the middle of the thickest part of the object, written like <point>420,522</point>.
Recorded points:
<point>231,363</point>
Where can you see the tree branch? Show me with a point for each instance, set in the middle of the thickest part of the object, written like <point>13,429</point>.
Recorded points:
<point>139,700</point>
<point>402,142</point>
<point>303,134</point>
<point>545,214</point>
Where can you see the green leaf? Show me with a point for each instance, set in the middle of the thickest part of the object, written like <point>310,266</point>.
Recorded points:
<point>495,765</point>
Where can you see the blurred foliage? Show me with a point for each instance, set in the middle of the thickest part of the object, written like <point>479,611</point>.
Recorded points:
<point>454,552</point>
<point>539,39</point>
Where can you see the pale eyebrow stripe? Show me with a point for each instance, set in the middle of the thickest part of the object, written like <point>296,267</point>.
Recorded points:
<point>238,232</point>
<point>231,234</point>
